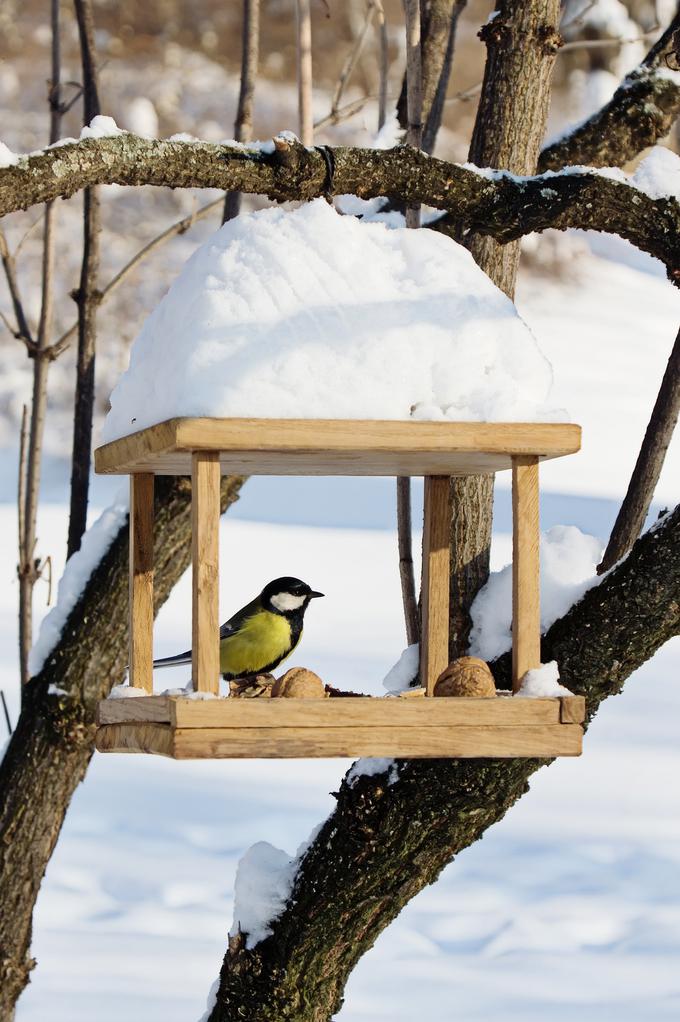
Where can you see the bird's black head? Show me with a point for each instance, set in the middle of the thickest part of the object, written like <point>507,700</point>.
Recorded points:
<point>287,595</point>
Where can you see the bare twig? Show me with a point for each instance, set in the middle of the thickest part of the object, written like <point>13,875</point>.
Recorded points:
<point>414,93</point>
<point>636,503</point>
<point>304,71</point>
<point>413,138</point>
<point>406,573</point>
<point>180,227</point>
<point>243,128</point>
<point>6,712</point>
<point>87,299</point>
<point>434,116</point>
<point>352,59</point>
<point>21,481</point>
<point>383,63</point>
<point>578,18</point>
<point>343,113</point>
<point>597,44</point>
<point>30,459</point>
<point>23,330</point>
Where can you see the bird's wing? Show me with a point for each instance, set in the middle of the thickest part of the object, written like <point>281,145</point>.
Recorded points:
<point>237,620</point>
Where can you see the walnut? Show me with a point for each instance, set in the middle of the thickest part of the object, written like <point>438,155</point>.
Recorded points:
<point>467,676</point>
<point>299,683</point>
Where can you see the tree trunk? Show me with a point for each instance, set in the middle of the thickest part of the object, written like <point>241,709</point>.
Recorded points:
<point>522,41</point>
<point>54,738</point>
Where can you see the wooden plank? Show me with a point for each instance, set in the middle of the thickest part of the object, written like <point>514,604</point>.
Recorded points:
<point>572,709</point>
<point>325,463</point>
<point>434,643</point>
<point>154,709</point>
<point>325,713</point>
<point>151,738</point>
<point>141,581</point>
<point>526,613</point>
<point>205,523</point>
<point>453,742</point>
<point>338,447</point>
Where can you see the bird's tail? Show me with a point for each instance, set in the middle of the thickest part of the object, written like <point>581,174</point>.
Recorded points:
<point>173,661</point>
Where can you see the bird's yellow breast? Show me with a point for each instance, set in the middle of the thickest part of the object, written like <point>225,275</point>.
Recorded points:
<point>261,640</point>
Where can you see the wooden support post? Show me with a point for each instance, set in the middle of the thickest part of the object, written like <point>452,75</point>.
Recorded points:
<point>205,524</point>
<point>434,639</point>
<point>141,580</point>
<point>526,611</point>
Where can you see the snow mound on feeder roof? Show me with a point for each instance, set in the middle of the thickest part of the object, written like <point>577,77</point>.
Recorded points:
<point>310,314</point>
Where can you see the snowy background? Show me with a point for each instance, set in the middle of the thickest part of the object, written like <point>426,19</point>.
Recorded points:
<point>571,905</point>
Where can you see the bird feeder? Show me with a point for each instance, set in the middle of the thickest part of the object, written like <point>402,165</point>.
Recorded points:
<point>186,728</point>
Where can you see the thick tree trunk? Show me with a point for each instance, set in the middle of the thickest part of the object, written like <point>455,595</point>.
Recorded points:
<point>522,41</point>
<point>386,841</point>
<point>54,738</point>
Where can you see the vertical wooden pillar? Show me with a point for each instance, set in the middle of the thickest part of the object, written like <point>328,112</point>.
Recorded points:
<point>526,611</point>
<point>141,581</point>
<point>434,642</point>
<point>205,523</point>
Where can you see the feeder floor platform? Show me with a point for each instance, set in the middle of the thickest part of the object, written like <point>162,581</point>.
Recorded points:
<point>230,728</point>
<point>353,447</point>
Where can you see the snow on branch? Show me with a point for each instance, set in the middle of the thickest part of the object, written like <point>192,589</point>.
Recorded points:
<point>501,205</point>
<point>641,111</point>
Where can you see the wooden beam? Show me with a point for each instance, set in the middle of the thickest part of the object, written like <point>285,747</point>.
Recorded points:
<point>337,447</point>
<point>205,524</point>
<point>526,611</point>
<point>141,581</point>
<point>504,711</point>
<point>434,641</point>
<point>545,740</point>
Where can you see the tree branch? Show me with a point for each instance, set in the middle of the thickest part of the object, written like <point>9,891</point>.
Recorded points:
<point>633,511</point>
<point>353,881</point>
<point>179,227</point>
<point>243,127</point>
<point>54,737</point>
<point>500,205</point>
<point>87,299</point>
<point>23,330</point>
<point>641,111</point>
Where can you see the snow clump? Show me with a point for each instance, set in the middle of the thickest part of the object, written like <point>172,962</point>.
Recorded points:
<point>79,567</point>
<point>569,560</point>
<point>543,683</point>
<point>310,314</point>
<point>658,175</point>
<point>400,677</point>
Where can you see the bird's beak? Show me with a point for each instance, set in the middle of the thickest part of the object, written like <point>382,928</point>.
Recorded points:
<point>313,594</point>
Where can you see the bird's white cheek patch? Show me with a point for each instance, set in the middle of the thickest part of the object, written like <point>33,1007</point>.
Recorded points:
<point>286,601</point>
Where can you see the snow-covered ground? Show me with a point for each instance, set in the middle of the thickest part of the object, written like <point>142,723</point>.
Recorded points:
<point>569,907</point>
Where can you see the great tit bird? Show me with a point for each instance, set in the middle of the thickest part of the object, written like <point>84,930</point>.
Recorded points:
<point>262,634</point>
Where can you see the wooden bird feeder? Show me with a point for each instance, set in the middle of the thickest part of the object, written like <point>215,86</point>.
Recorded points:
<point>186,728</point>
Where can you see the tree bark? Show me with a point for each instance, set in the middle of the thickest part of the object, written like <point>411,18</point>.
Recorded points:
<point>522,41</point>
<point>385,841</point>
<point>636,503</point>
<point>640,113</point>
<point>87,298</point>
<point>243,126</point>
<point>54,738</point>
<point>498,205</point>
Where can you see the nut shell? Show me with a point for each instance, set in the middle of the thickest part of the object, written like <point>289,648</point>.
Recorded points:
<point>467,676</point>
<point>299,683</point>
